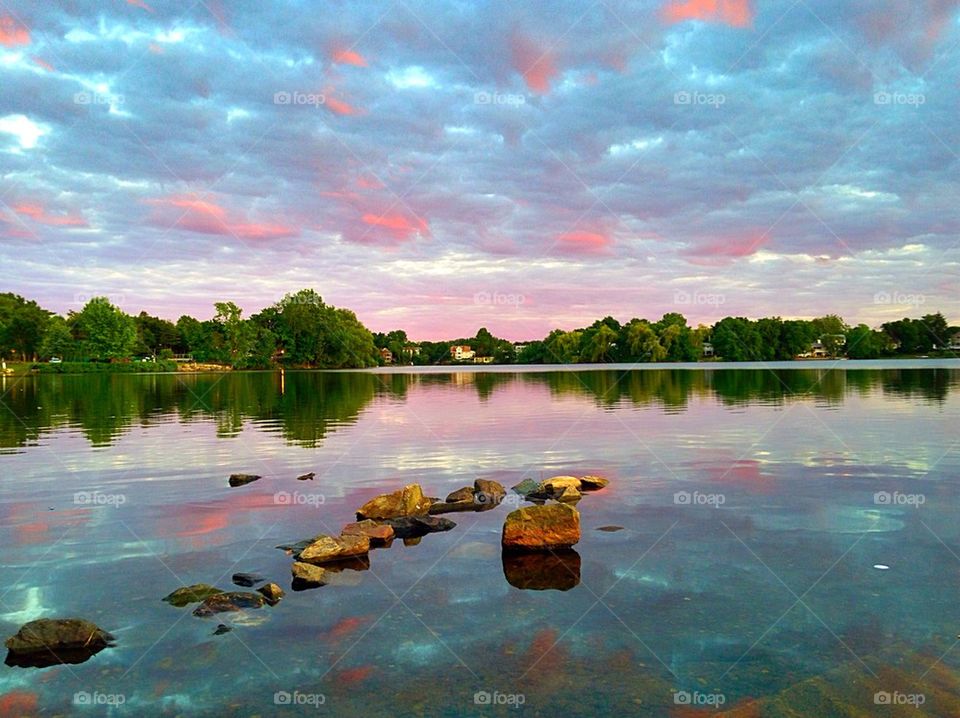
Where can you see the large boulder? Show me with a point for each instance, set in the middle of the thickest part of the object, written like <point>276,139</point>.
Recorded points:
<point>242,479</point>
<point>542,570</point>
<point>229,602</point>
<point>190,594</point>
<point>52,641</point>
<point>379,534</point>
<point>541,528</point>
<point>328,548</point>
<point>411,527</point>
<point>408,501</point>
<point>486,491</point>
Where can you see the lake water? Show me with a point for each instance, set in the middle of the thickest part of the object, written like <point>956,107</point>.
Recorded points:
<point>790,542</point>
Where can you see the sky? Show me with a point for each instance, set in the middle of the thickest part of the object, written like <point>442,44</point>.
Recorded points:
<point>442,166</point>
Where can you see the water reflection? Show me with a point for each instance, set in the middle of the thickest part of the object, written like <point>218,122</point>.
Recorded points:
<point>304,407</point>
<point>542,570</point>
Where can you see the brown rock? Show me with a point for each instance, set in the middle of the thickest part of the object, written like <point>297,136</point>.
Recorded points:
<point>242,479</point>
<point>379,534</point>
<point>327,548</point>
<point>51,641</point>
<point>307,573</point>
<point>569,495</point>
<point>593,483</point>
<point>461,495</point>
<point>408,501</point>
<point>272,592</point>
<point>228,602</point>
<point>557,484</point>
<point>488,492</point>
<point>541,528</point>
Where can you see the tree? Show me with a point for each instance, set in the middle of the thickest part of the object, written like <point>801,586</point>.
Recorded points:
<point>642,342</point>
<point>600,344</point>
<point>737,339</point>
<point>864,343</point>
<point>57,340</point>
<point>238,334</point>
<point>22,324</point>
<point>105,331</point>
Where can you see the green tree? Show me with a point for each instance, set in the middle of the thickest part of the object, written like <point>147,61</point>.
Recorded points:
<point>58,340</point>
<point>105,331</point>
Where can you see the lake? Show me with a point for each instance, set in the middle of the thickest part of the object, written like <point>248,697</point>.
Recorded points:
<point>789,541</point>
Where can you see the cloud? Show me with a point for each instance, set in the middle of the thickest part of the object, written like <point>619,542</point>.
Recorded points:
<point>347,56</point>
<point>736,13</point>
<point>38,213</point>
<point>535,63</point>
<point>191,213</point>
<point>12,32</point>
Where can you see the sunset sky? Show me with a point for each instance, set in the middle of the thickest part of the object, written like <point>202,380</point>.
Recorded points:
<point>441,166</point>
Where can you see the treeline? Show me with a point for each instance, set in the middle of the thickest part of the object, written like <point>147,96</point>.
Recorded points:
<point>299,330</point>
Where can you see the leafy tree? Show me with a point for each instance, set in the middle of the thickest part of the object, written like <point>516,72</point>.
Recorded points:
<point>106,332</point>
<point>600,344</point>
<point>58,340</point>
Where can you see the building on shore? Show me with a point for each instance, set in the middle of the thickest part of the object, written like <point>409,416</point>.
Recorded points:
<point>461,352</point>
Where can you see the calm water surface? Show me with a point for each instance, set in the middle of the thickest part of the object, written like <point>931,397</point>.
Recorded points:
<point>756,504</point>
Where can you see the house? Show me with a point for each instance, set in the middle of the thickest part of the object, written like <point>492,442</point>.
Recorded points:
<point>412,350</point>
<point>482,360</point>
<point>386,355</point>
<point>954,344</point>
<point>461,352</point>
<point>708,349</point>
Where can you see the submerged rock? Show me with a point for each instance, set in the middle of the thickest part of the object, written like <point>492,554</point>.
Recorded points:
<point>379,534</point>
<point>247,580</point>
<point>242,479</point>
<point>526,487</point>
<point>53,641</point>
<point>221,629</point>
<point>297,546</point>
<point>328,548</point>
<point>542,570</point>
<point>409,527</point>
<point>272,592</point>
<point>229,602</point>
<point>408,501</point>
<point>190,594</point>
<point>306,477</point>
<point>610,529</point>
<point>541,528</point>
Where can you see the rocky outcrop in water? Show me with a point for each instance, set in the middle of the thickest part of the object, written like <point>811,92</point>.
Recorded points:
<point>52,641</point>
<point>327,548</point>
<point>408,501</point>
<point>380,534</point>
<point>228,602</point>
<point>482,496</point>
<point>243,479</point>
<point>247,580</point>
<point>190,594</point>
<point>306,477</point>
<point>412,527</point>
<point>541,528</point>
<point>272,592</point>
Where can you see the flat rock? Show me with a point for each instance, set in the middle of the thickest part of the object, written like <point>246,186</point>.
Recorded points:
<point>306,477</point>
<point>190,594</point>
<point>378,533</point>
<point>272,592</point>
<point>308,575</point>
<point>410,527</point>
<point>541,528</point>
<point>296,547</point>
<point>247,580</point>
<point>610,529</point>
<point>593,483</point>
<point>557,484</point>
<point>526,487</point>
<point>408,501</point>
<point>228,602</point>
<point>328,548</point>
<point>243,479</point>
<point>53,641</point>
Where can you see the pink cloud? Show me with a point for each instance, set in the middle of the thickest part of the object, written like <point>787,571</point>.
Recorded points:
<point>737,13</point>
<point>13,33</point>
<point>725,250</point>
<point>140,4</point>
<point>584,242</point>
<point>536,64</point>
<point>39,214</point>
<point>398,226</point>
<point>347,56</point>
<point>339,107</point>
<point>210,218</point>
<point>39,61</point>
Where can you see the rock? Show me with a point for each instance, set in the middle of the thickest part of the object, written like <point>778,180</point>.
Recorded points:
<point>416,526</point>
<point>272,592</point>
<point>296,547</point>
<point>556,485</point>
<point>525,487</point>
<point>53,641</point>
<point>569,495</point>
<point>593,483</point>
<point>228,602</point>
<point>408,501</point>
<point>190,594</point>
<point>306,477</point>
<point>541,528</point>
<point>221,629</point>
<point>306,575</point>
<point>327,548</point>
<point>379,534</point>
<point>610,529</point>
<point>247,580</point>
<point>488,492</point>
<point>461,495</point>
<point>542,570</point>
<point>242,479</point>
<point>447,508</point>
